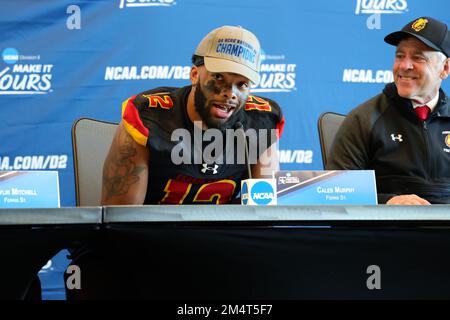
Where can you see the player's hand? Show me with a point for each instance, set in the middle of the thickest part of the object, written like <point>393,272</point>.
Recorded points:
<point>408,199</point>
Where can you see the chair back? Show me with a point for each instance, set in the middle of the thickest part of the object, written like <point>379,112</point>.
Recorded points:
<point>329,124</point>
<point>91,140</point>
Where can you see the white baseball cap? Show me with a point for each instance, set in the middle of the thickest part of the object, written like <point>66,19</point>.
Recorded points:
<point>231,49</point>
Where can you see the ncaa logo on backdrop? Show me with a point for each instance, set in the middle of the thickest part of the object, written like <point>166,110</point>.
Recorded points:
<point>10,55</point>
<point>275,74</point>
<point>146,3</point>
<point>381,6</point>
<point>19,75</point>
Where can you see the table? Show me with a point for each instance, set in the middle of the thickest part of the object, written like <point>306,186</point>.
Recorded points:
<point>30,237</point>
<point>292,252</point>
<point>236,252</point>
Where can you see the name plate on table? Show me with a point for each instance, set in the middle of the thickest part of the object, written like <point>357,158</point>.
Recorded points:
<point>354,187</point>
<point>29,189</point>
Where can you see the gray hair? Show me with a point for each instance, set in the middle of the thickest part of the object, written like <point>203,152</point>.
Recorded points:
<point>442,57</point>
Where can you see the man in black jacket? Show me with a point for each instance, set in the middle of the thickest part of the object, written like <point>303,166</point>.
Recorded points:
<point>404,132</point>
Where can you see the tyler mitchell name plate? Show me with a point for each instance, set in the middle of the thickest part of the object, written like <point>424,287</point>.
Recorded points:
<point>29,189</point>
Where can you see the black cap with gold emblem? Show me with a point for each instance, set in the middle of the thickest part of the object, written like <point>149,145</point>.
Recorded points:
<point>432,32</point>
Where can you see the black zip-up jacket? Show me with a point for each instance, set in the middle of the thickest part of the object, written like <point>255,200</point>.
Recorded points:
<point>409,156</point>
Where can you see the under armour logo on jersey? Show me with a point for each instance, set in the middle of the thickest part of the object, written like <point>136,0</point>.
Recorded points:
<point>396,137</point>
<point>210,168</point>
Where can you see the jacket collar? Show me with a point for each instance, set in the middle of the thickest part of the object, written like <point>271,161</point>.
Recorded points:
<point>442,108</point>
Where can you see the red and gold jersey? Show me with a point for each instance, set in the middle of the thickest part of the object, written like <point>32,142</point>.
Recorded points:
<point>154,119</point>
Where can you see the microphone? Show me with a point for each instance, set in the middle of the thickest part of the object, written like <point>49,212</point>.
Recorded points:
<point>239,126</point>
<point>256,191</point>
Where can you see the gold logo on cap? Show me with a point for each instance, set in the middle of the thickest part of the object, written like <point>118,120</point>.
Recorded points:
<point>447,140</point>
<point>419,24</point>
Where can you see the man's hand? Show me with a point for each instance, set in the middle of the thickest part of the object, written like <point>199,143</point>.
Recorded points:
<point>408,199</point>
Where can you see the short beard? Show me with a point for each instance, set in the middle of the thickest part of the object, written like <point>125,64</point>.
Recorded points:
<point>203,111</point>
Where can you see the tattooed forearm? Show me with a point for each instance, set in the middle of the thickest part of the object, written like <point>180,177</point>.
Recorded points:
<point>120,171</point>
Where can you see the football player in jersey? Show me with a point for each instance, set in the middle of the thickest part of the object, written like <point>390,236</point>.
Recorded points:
<point>153,158</point>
